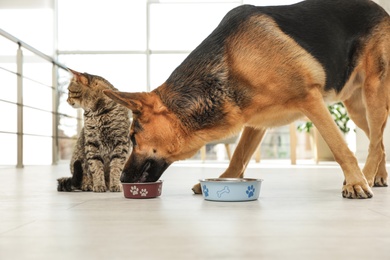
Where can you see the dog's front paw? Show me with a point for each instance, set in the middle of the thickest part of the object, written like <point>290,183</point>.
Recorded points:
<point>357,191</point>
<point>197,189</point>
<point>99,188</point>
<point>380,182</point>
<point>116,188</point>
<point>381,179</point>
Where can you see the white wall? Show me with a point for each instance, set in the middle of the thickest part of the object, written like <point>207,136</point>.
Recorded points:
<point>384,3</point>
<point>26,4</point>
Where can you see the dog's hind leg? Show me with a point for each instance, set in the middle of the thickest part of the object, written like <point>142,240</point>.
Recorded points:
<point>357,112</point>
<point>375,95</point>
<point>314,107</point>
<point>374,168</point>
<point>249,141</point>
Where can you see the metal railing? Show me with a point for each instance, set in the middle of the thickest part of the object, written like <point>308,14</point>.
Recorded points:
<point>56,66</point>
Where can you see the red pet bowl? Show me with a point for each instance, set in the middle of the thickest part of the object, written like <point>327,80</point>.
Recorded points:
<point>143,190</point>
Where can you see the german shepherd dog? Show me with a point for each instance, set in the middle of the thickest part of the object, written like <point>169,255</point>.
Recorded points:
<point>264,67</point>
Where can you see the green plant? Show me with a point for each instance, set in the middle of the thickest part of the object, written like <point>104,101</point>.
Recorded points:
<point>339,114</point>
<point>307,126</point>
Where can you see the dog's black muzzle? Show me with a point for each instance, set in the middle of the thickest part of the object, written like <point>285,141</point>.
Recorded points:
<point>143,170</point>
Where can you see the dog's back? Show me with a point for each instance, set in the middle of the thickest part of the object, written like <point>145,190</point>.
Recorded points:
<point>332,32</point>
<point>335,37</point>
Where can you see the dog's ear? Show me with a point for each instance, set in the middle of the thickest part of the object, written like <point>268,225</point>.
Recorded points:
<point>137,101</point>
<point>132,101</point>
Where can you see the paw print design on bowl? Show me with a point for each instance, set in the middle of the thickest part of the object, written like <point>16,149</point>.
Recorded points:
<point>205,191</point>
<point>250,191</point>
<point>134,190</point>
<point>144,192</point>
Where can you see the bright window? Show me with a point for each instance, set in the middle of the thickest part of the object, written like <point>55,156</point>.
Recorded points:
<point>8,117</point>
<point>127,72</point>
<point>33,26</point>
<point>8,86</point>
<point>37,150</point>
<point>184,26</point>
<point>37,95</point>
<point>101,25</point>
<point>37,122</point>
<point>161,67</point>
<point>8,149</point>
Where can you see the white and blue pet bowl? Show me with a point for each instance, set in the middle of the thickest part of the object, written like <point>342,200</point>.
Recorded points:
<point>231,189</point>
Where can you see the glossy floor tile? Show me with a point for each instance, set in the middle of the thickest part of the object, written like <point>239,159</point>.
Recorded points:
<point>300,215</point>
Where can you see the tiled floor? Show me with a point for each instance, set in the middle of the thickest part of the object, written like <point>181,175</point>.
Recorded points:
<point>300,215</point>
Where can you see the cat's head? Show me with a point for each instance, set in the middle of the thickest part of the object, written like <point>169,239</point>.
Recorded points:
<point>86,91</point>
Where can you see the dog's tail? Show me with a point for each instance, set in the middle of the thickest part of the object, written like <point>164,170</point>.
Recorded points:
<point>74,182</point>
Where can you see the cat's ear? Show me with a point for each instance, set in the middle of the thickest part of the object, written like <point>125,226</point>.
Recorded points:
<point>132,101</point>
<point>80,77</point>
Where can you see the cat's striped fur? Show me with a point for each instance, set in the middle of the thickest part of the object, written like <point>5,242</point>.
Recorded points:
<point>104,144</point>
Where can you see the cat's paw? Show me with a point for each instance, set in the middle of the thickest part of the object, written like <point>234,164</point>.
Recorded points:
<point>86,187</point>
<point>99,188</point>
<point>116,188</point>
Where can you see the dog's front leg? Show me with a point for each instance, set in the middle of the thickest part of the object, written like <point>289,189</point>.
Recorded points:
<point>247,145</point>
<point>355,184</point>
<point>249,141</point>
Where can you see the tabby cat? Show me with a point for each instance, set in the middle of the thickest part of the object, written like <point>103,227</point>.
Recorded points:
<point>104,143</point>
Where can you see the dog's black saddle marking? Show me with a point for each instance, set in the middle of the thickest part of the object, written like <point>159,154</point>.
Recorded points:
<point>330,30</point>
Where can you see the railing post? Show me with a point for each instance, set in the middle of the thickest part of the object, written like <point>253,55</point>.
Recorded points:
<point>148,46</point>
<point>19,71</point>
<point>55,120</point>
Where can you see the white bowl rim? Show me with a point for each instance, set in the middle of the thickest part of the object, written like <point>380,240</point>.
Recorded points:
<point>143,183</point>
<point>231,180</point>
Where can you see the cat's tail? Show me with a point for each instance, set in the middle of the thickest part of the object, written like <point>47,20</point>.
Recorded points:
<point>74,182</point>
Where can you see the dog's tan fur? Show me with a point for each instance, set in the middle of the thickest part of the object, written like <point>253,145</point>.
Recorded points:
<point>278,86</point>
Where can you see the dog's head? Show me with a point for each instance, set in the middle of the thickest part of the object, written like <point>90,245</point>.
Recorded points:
<point>157,135</point>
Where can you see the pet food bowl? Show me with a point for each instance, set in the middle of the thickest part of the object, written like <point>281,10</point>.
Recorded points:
<point>231,189</point>
<point>142,190</point>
